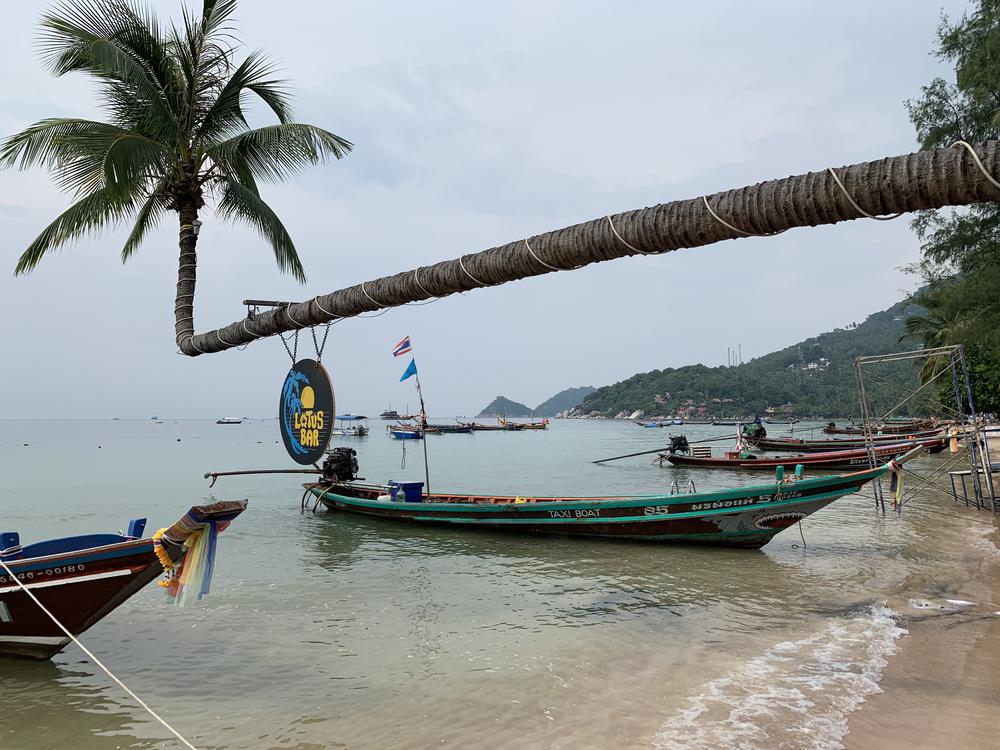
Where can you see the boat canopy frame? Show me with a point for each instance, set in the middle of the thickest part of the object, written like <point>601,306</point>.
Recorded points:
<point>957,368</point>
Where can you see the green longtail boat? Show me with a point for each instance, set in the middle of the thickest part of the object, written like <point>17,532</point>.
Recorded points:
<point>744,517</point>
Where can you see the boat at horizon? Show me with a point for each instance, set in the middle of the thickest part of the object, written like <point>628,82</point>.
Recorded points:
<point>480,427</point>
<point>405,432</point>
<point>81,579</point>
<point>350,425</point>
<point>515,426</point>
<point>230,420</point>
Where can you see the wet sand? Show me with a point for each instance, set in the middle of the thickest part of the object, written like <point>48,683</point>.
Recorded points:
<point>942,687</point>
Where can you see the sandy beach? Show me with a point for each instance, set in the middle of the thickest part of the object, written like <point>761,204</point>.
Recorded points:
<point>941,687</point>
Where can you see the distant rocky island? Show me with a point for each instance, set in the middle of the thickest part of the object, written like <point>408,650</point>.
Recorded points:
<point>556,406</point>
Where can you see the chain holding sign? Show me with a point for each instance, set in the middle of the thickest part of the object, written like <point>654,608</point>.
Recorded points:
<point>306,411</point>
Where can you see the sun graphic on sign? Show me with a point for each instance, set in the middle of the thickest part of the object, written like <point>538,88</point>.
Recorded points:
<point>308,397</point>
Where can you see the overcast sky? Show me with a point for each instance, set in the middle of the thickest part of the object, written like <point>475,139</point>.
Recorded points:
<point>476,124</point>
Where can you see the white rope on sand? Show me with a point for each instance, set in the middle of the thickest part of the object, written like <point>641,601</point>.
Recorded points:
<point>97,661</point>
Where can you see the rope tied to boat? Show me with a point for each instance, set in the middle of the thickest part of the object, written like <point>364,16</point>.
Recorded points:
<point>145,706</point>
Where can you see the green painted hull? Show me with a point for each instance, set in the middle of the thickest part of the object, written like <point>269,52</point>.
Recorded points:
<point>745,517</point>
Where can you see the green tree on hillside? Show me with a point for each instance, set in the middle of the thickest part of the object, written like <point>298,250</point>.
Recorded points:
<point>175,134</point>
<point>961,247</point>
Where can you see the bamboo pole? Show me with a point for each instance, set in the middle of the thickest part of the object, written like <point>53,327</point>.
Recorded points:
<point>899,184</point>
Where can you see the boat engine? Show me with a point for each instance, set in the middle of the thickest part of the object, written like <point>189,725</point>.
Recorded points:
<point>679,444</point>
<point>341,465</point>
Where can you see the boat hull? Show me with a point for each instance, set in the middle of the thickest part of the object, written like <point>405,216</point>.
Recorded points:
<point>748,517</point>
<point>815,446</point>
<point>850,459</point>
<point>79,588</point>
<point>79,580</point>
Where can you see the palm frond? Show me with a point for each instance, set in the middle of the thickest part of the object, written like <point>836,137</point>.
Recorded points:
<point>129,163</point>
<point>91,213</point>
<point>55,139</point>
<point>146,219</point>
<point>277,151</point>
<point>226,112</point>
<point>238,203</point>
<point>215,15</point>
<point>121,47</point>
<point>84,155</point>
<point>275,95</point>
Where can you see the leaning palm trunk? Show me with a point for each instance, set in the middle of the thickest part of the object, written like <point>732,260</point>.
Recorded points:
<point>187,275</point>
<point>899,184</point>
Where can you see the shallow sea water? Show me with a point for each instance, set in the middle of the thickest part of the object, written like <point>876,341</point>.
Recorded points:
<point>331,631</point>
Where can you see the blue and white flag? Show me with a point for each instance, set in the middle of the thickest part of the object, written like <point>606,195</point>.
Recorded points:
<point>402,348</point>
<point>411,370</point>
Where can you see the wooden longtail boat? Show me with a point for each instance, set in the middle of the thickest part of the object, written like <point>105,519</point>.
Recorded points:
<point>480,427</point>
<point>889,428</point>
<point>849,459</point>
<point>744,517</point>
<point>449,429</point>
<point>429,429</point>
<point>508,425</point>
<point>812,446</point>
<point>80,579</point>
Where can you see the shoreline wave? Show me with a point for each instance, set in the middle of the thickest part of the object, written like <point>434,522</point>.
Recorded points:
<point>796,695</point>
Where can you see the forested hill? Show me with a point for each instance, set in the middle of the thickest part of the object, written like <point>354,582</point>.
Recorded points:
<point>812,378</point>
<point>563,401</point>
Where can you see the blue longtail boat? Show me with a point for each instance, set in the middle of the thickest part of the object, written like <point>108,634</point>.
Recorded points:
<point>744,517</point>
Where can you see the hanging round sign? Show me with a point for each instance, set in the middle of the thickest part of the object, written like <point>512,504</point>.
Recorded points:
<point>306,410</point>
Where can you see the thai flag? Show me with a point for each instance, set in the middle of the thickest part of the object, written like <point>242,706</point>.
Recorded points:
<point>403,347</point>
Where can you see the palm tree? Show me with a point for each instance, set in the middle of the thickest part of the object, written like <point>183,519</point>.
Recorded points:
<point>939,325</point>
<point>175,137</point>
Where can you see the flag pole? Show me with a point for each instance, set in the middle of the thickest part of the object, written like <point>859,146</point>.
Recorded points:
<point>423,430</point>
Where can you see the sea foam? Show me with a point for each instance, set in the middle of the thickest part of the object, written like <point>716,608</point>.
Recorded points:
<point>796,695</point>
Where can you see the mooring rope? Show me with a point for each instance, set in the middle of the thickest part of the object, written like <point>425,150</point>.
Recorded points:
<point>97,661</point>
